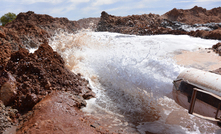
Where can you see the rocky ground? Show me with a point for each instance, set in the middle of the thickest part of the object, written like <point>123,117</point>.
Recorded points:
<point>38,94</point>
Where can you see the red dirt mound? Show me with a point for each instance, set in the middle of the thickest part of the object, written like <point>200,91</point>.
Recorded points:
<point>39,73</point>
<point>146,24</point>
<point>25,78</point>
<point>135,24</point>
<point>215,34</point>
<point>195,15</point>
<point>29,30</point>
<point>217,48</point>
<point>9,42</point>
<point>86,23</point>
<point>33,29</point>
<point>57,113</point>
<point>169,23</point>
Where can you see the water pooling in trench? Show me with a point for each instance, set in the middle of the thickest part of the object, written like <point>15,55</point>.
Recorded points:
<point>132,78</point>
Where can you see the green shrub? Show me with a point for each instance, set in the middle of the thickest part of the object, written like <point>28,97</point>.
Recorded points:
<point>7,18</point>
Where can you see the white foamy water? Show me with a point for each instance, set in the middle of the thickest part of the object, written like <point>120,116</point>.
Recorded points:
<point>132,78</point>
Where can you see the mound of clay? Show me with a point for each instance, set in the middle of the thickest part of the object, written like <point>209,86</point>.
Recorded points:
<point>25,79</point>
<point>57,113</point>
<point>196,15</point>
<point>173,22</point>
<point>38,74</point>
<point>9,42</point>
<point>29,30</point>
<point>33,29</point>
<point>215,34</point>
<point>135,24</point>
<point>217,48</point>
<point>146,24</point>
<point>86,23</point>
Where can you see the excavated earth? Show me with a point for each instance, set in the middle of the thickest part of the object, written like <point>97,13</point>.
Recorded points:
<point>38,94</point>
<point>41,78</point>
<point>34,29</point>
<point>59,113</point>
<point>172,22</point>
<point>196,15</point>
<point>28,78</point>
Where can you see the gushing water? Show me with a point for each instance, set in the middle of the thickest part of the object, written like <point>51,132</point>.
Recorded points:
<point>132,78</point>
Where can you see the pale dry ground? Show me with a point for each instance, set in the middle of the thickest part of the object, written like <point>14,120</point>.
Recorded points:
<point>201,59</point>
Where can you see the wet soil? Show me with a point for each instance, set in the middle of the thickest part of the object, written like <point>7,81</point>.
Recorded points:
<point>204,59</point>
<point>58,113</point>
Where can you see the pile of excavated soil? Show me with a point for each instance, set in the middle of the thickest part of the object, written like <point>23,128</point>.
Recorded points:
<point>30,30</point>
<point>87,23</point>
<point>215,34</point>
<point>9,42</point>
<point>152,24</point>
<point>196,15</point>
<point>134,24</point>
<point>34,29</point>
<point>146,24</point>
<point>37,74</point>
<point>27,78</point>
<point>58,113</point>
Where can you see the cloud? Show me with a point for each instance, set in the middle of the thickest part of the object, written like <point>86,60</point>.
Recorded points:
<point>103,2</point>
<point>207,1</point>
<point>77,9</point>
<point>78,1</point>
<point>52,1</point>
<point>98,5</point>
<point>37,1</point>
<point>183,1</point>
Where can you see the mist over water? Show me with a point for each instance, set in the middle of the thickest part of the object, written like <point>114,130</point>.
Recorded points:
<point>132,78</point>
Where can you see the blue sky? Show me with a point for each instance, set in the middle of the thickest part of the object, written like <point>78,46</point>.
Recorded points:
<point>78,9</point>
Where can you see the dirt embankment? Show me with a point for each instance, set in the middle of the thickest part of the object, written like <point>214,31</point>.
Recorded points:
<point>59,113</point>
<point>197,22</point>
<point>196,15</point>
<point>33,29</point>
<point>146,24</point>
<point>41,78</point>
<point>38,74</point>
<point>135,24</point>
<point>28,78</point>
<point>30,30</point>
<point>87,23</point>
